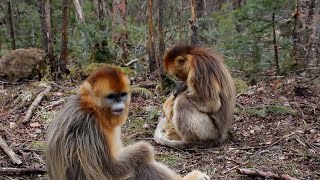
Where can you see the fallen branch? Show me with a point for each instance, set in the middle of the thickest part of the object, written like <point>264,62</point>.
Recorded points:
<point>22,170</point>
<point>14,158</point>
<point>258,173</point>
<point>35,104</point>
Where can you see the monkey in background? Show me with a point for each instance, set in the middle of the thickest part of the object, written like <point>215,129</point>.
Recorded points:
<point>84,140</point>
<point>200,115</point>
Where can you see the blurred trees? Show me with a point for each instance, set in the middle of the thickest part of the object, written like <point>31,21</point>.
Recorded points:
<point>253,35</point>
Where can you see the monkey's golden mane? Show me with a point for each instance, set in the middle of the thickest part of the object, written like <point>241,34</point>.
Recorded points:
<point>207,68</point>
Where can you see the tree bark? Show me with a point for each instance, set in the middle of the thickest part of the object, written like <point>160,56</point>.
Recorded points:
<point>120,37</point>
<point>44,8</point>
<point>194,23</point>
<point>100,8</point>
<point>64,35</point>
<point>12,26</point>
<point>151,48</point>
<point>306,47</point>
<point>161,35</point>
<point>79,11</point>
<point>275,44</point>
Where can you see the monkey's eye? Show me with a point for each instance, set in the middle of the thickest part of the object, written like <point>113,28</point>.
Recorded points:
<point>111,96</point>
<point>124,94</point>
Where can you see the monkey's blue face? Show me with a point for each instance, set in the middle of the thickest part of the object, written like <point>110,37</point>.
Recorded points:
<point>117,102</point>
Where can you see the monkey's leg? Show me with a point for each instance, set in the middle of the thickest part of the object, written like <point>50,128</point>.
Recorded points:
<point>196,175</point>
<point>191,124</point>
<point>168,108</point>
<point>136,154</point>
<point>169,130</point>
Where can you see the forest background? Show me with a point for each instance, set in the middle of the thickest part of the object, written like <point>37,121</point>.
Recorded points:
<point>271,46</point>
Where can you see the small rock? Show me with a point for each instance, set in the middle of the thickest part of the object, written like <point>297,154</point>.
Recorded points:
<point>35,124</point>
<point>38,131</point>
<point>146,126</point>
<point>12,125</point>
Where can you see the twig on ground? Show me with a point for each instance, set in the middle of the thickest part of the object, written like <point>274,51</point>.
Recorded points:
<point>22,170</point>
<point>258,173</point>
<point>35,104</point>
<point>256,147</point>
<point>55,103</point>
<point>14,158</point>
<point>231,169</point>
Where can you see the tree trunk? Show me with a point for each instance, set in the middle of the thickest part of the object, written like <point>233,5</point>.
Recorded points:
<point>120,34</point>
<point>180,21</point>
<point>100,8</point>
<point>44,8</point>
<point>306,47</point>
<point>64,35</point>
<point>79,11</point>
<point>151,48</point>
<point>81,19</point>
<point>161,37</point>
<point>275,44</point>
<point>194,23</point>
<point>12,27</point>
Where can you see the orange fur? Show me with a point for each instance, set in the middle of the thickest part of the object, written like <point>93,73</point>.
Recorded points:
<point>84,141</point>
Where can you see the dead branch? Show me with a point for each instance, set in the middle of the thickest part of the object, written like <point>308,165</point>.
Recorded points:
<point>35,104</point>
<point>257,173</point>
<point>14,158</point>
<point>132,62</point>
<point>22,170</point>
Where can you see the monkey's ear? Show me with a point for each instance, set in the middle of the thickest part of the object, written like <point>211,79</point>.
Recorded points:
<point>86,86</point>
<point>180,60</point>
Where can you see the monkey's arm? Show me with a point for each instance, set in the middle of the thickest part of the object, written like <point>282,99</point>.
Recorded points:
<point>136,154</point>
<point>180,87</point>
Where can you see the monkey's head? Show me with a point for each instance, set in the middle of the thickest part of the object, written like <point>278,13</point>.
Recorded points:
<point>178,61</point>
<point>107,90</point>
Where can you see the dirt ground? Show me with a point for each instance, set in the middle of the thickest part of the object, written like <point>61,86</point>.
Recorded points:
<point>276,128</point>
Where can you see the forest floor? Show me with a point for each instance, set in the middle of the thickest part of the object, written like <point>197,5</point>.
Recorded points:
<point>276,128</point>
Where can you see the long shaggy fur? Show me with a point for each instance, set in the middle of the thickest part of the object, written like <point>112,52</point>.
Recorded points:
<point>78,147</point>
<point>210,97</point>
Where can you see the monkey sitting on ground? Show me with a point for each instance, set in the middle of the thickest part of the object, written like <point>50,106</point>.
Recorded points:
<point>200,115</point>
<point>84,140</point>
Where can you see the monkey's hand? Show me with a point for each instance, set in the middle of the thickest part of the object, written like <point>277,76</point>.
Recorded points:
<point>180,87</point>
<point>138,153</point>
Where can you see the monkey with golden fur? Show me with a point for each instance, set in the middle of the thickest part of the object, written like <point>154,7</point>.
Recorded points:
<point>200,114</point>
<point>84,140</point>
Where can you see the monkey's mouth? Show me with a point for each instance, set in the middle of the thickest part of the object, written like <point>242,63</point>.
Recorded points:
<point>117,112</point>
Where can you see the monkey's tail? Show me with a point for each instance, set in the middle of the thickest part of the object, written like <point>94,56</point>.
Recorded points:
<point>162,140</point>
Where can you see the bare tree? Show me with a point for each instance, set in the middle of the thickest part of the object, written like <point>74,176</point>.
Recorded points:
<point>100,8</point>
<point>79,11</point>
<point>120,37</point>
<point>161,36</point>
<point>151,48</point>
<point>64,35</point>
<point>12,26</point>
<point>44,8</point>
<point>197,11</point>
<point>306,35</point>
<point>275,44</point>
